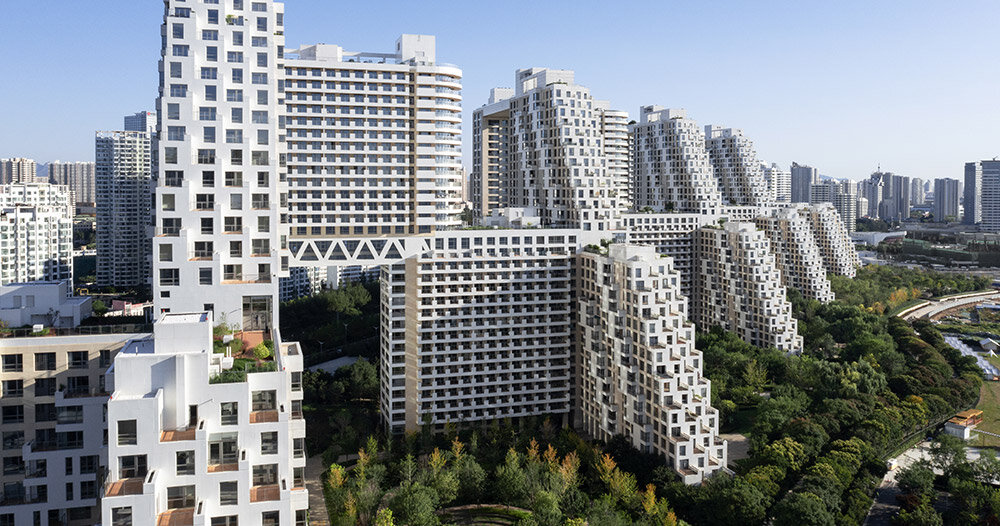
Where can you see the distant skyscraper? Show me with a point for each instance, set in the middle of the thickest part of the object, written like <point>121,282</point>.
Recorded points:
<point>124,186</point>
<point>917,194</point>
<point>79,177</point>
<point>986,198</point>
<point>803,177</point>
<point>974,192</point>
<point>143,121</point>
<point>946,199</point>
<point>17,170</point>
<point>36,233</point>
<point>888,196</point>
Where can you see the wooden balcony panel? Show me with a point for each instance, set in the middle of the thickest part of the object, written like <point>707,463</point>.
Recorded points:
<point>265,493</point>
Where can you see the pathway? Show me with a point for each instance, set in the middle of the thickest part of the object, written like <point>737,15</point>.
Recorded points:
<point>314,483</point>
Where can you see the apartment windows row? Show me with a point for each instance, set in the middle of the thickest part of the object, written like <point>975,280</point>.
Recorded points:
<point>175,179</point>
<point>46,361</point>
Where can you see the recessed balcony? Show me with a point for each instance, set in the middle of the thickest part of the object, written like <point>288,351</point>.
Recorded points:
<point>124,487</point>
<point>265,493</point>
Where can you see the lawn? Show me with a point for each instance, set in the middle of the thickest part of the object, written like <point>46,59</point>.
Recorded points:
<point>989,404</point>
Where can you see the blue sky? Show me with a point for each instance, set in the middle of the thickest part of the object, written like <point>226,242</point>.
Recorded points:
<point>843,86</point>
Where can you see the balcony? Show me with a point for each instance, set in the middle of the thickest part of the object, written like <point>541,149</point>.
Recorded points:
<point>219,468</point>
<point>260,417</point>
<point>265,493</point>
<point>178,517</point>
<point>124,487</point>
<point>177,435</point>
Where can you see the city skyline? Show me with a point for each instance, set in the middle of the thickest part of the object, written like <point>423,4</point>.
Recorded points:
<point>810,83</point>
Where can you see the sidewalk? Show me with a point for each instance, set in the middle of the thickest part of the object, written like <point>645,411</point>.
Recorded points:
<point>314,483</point>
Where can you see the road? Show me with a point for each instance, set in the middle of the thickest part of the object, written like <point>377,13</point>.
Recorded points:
<point>937,307</point>
<point>314,483</point>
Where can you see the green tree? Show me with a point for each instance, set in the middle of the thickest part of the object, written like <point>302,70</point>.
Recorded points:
<point>916,479</point>
<point>99,308</point>
<point>922,515</point>
<point>546,509</point>
<point>510,480</point>
<point>802,509</point>
<point>414,505</point>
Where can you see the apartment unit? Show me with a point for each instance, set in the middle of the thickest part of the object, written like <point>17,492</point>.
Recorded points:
<point>617,148</point>
<point>124,215</point>
<point>779,182</point>
<point>558,156</point>
<point>737,169</point>
<point>835,245</point>
<point>54,447</point>
<point>479,327</point>
<point>195,439</point>
<point>796,251</point>
<point>638,374</point>
<point>18,170</point>
<point>36,233</point>
<point>738,287</point>
<point>221,241</point>
<point>490,148</point>
<point>946,195</point>
<point>671,168</point>
<point>79,177</point>
<point>373,141</point>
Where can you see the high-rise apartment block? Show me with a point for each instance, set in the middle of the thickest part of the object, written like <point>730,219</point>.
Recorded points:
<point>18,170</point>
<point>738,287</point>
<point>917,193</point>
<point>796,252</point>
<point>946,196</point>
<point>559,142</point>
<point>490,149</point>
<point>835,245</point>
<point>842,195</point>
<point>124,215</point>
<point>143,121</point>
<point>79,177</point>
<point>53,409</point>
<point>671,168</point>
<point>737,169</point>
<point>36,233</point>
<point>973,191</point>
<point>779,182</point>
<point>191,441</point>
<point>373,140</point>
<point>803,177</point>
<point>479,327</point>
<point>221,240</point>
<point>888,196</point>
<point>637,372</point>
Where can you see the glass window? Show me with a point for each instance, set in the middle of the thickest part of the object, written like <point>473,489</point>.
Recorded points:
<point>13,414</point>
<point>13,363</point>
<point>264,400</point>
<point>205,276</point>
<point>127,432</point>
<point>230,413</point>
<point>185,462</point>
<point>121,516</point>
<point>229,493</point>
<point>269,443</point>
<point>132,466</point>
<point>45,386</point>
<point>45,361</point>
<point>265,474</point>
<point>180,497</point>
<point>78,359</point>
